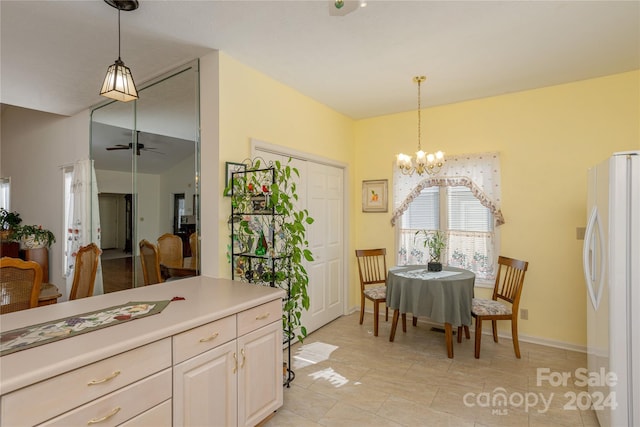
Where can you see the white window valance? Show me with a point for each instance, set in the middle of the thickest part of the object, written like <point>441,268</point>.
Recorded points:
<point>478,172</point>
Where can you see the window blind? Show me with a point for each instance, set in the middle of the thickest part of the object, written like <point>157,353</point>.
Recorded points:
<point>424,211</point>
<point>466,213</point>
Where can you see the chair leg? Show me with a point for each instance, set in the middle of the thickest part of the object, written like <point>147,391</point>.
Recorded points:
<point>467,335</point>
<point>459,334</point>
<point>494,326</point>
<point>376,313</point>
<point>415,320</point>
<point>478,337</point>
<point>514,335</point>
<point>386,315</point>
<point>404,322</point>
<point>361,309</point>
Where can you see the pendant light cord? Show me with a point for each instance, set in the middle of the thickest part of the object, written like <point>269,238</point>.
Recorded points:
<point>119,36</point>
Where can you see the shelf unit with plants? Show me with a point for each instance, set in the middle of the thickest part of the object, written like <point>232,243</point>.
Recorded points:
<point>268,243</point>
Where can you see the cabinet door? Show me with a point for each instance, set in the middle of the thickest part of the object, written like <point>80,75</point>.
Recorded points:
<point>259,374</point>
<point>205,389</point>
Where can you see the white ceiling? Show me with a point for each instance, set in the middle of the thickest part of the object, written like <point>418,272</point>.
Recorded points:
<point>54,54</point>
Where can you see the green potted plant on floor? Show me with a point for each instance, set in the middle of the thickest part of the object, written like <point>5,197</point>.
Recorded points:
<point>33,236</point>
<point>436,242</point>
<point>269,193</point>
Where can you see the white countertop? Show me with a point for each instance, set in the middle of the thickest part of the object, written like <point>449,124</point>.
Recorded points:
<point>206,299</point>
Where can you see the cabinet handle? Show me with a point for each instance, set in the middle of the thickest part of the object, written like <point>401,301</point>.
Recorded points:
<point>105,418</point>
<point>243,358</point>
<point>263,316</point>
<point>104,380</point>
<point>235,363</point>
<point>210,337</point>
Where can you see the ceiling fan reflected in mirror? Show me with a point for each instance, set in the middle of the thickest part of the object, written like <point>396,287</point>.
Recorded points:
<point>139,147</point>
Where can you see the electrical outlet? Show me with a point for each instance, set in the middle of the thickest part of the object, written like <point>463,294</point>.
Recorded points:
<point>524,314</point>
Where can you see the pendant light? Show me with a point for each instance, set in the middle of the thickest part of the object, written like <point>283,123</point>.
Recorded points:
<point>118,83</point>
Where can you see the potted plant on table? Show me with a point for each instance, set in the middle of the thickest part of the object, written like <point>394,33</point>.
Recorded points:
<point>33,236</point>
<point>9,221</point>
<point>436,242</point>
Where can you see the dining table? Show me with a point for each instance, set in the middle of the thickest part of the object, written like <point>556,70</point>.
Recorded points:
<point>443,296</point>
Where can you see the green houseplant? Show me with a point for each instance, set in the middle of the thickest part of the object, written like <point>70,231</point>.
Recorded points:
<point>436,242</point>
<point>273,191</point>
<point>33,236</point>
<point>9,221</point>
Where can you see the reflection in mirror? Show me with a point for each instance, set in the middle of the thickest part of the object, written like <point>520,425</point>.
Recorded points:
<point>146,155</point>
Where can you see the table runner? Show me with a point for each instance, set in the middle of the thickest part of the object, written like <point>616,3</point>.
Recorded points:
<point>44,333</point>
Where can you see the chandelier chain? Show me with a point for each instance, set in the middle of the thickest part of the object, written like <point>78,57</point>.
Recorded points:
<point>419,130</point>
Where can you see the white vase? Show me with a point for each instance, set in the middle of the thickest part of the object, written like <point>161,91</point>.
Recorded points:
<point>30,242</point>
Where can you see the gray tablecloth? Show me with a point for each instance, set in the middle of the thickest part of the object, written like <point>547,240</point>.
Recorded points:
<point>443,300</point>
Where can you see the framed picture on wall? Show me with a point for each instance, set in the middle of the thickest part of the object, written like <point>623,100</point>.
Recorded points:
<point>374,195</point>
<point>230,169</point>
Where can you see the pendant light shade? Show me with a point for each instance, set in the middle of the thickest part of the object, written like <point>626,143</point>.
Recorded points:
<point>118,83</point>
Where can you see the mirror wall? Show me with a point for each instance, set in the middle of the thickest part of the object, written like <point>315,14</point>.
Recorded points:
<point>146,156</point>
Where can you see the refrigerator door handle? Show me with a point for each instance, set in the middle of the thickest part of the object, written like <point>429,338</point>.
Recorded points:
<point>594,284</point>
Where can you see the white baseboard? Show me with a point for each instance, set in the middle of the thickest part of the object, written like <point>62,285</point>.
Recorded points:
<point>507,335</point>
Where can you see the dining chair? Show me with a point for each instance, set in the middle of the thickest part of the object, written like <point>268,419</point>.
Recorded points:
<point>84,271</point>
<point>372,267</point>
<point>508,288</point>
<point>150,263</point>
<point>170,250</point>
<point>20,281</point>
<point>193,243</point>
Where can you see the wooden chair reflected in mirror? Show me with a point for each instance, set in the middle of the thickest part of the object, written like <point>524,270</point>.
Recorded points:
<point>170,250</point>
<point>84,271</point>
<point>372,268</point>
<point>150,261</point>
<point>20,284</point>
<point>193,244</point>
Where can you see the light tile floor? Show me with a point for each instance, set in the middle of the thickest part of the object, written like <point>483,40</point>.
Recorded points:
<point>347,377</point>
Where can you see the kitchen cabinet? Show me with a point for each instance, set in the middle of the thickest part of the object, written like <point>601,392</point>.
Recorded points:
<point>237,382</point>
<point>211,357</point>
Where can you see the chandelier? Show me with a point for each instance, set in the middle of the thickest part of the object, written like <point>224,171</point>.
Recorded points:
<point>424,162</point>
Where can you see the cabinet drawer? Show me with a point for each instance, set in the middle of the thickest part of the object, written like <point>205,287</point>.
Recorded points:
<point>121,405</point>
<point>257,317</point>
<point>158,416</point>
<point>59,394</point>
<point>203,338</point>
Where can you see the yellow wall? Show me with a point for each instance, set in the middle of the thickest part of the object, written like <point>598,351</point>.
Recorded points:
<point>547,139</point>
<point>253,105</point>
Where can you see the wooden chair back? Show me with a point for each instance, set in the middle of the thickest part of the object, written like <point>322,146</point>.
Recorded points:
<point>170,250</point>
<point>372,266</point>
<point>20,284</point>
<point>84,271</point>
<point>193,243</point>
<point>150,263</point>
<point>509,280</point>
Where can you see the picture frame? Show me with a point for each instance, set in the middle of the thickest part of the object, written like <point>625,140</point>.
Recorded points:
<point>374,195</point>
<point>230,169</point>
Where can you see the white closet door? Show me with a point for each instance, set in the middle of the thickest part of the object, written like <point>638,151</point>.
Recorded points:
<point>321,192</point>
<point>325,205</point>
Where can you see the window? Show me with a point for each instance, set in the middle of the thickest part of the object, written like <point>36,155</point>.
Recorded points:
<point>471,241</point>
<point>5,192</point>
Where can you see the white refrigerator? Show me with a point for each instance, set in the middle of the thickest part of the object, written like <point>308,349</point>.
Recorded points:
<point>611,258</point>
